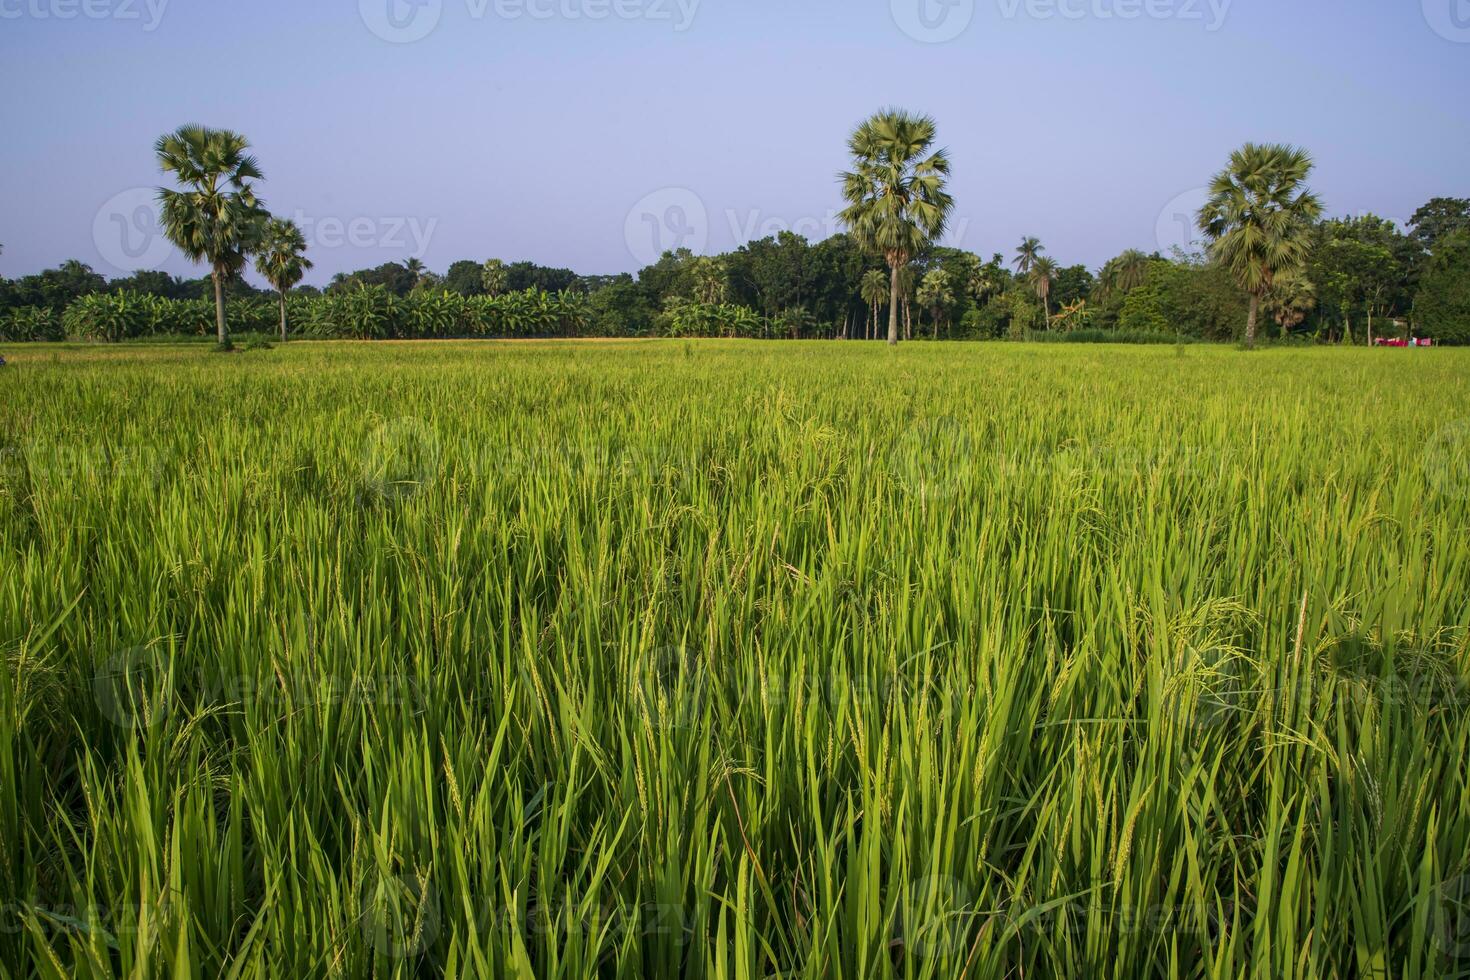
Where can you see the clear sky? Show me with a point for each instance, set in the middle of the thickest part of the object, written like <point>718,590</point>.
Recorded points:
<point>567,131</point>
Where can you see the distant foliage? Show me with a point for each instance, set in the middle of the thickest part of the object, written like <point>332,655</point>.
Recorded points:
<point>30,323</point>
<point>1443,304</point>
<point>683,318</point>
<point>1094,336</point>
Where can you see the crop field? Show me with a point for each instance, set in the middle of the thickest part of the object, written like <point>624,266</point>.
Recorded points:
<point>732,660</point>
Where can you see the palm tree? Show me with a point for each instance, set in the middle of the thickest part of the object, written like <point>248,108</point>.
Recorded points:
<point>711,281</point>
<point>874,291</point>
<point>906,284</point>
<point>897,202</point>
<point>978,281</point>
<point>1290,298</point>
<point>935,294</point>
<point>1042,274</point>
<point>1123,273</point>
<point>1259,217</point>
<point>216,218</point>
<point>1028,255</point>
<point>494,277</point>
<point>281,260</point>
<point>417,269</point>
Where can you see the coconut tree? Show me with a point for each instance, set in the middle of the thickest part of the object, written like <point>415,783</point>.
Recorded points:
<point>897,202</point>
<point>1259,217</point>
<point>417,269</point>
<point>1042,274</point>
<point>874,291</point>
<point>1028,255</point>
<point>282,260</point>
<point>215,216</point>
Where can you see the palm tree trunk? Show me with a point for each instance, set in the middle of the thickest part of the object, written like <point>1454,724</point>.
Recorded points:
<point>283,316</point>
<point>219,308</point>
<point>1250,320</point>
<point>893,308</point>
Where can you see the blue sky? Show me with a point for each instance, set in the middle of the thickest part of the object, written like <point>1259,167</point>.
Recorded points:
<point>567,131</point>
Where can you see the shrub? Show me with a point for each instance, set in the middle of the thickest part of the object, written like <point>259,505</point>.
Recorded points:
<point>30,323</point>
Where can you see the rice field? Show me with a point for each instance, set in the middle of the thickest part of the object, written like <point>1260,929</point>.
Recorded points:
<point>734,660</point>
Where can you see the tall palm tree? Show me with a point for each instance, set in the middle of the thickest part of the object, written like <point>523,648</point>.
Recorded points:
<point>1028,255</point>
<point>281,260</point>
<point>494,277</point>
<point>874,291</point>
<point>896,196</point>
<point>1259,217</point>
<point>1043,273</point>
<point>906,281</point>
<point>216,217</point>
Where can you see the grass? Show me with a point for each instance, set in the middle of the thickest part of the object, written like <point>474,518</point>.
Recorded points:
<point>734,660</point>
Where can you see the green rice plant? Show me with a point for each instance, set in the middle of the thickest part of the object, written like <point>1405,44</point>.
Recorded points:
<point>806,660</point>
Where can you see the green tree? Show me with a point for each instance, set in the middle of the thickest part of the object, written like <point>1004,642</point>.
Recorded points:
<point>874,290</point>
<point>1442,308</point>
<point>417,269</point>
<point>1122,273</point>
<point>465,277</point>
<point>1290,298</point>
<point>897,201</point>
<point>282,260</point>
<point>1259,217</point>
<point>216,217</point>
<point>935,295</point>
<point>1440,218</point>
<point>1028,255</point>
<point>494,278</point>
<point>1041,276</point>
<point>711,281</point>
<point>979,284</point>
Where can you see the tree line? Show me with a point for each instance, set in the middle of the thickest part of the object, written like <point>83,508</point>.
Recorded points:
<point>1270,264</point>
